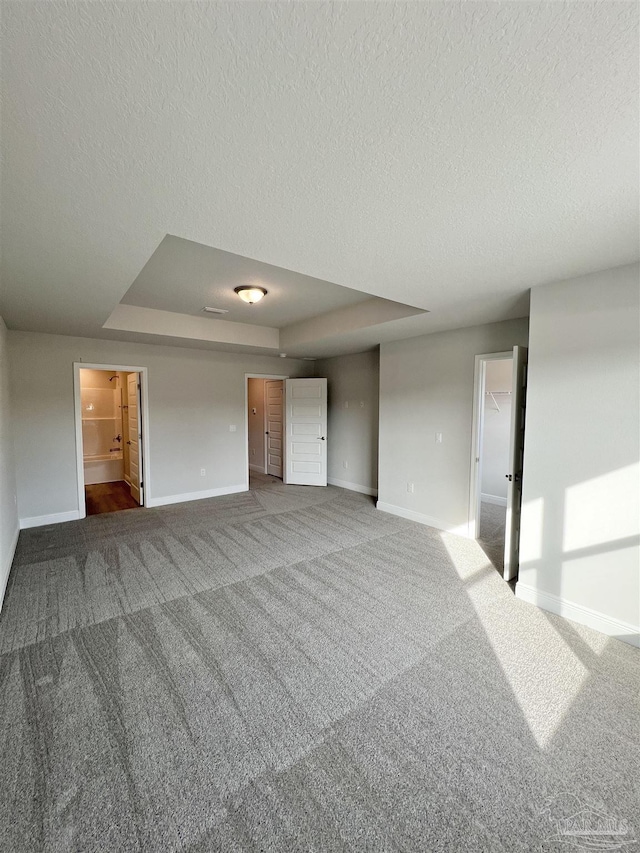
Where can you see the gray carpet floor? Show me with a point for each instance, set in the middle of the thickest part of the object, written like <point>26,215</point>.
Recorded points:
<point>289,669</point>
<point>491,538</point>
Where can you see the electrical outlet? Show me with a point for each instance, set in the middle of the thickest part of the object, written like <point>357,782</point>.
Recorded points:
<point>438,438</point>
<point>232,427</point>
<point>345,464</point>
<point>410,488</point>
<point>202,472</point>
<point>362,404</point>
<point>346,404</point>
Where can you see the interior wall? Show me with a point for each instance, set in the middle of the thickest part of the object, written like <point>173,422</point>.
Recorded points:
<point>352,421</point>
<point>256,424</point>
<point>196,398</point>
<point>580,532</point>
<point>495,432</point>
<point>8,500</point>
<point>426,388</point>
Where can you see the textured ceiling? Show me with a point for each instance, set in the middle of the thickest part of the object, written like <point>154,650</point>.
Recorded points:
<point>446,155</point>
<point>183,276</point>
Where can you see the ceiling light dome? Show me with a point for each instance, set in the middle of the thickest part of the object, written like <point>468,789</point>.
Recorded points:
<point>250,294</point>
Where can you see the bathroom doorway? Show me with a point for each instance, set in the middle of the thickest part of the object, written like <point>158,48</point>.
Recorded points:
<point>110,438</point>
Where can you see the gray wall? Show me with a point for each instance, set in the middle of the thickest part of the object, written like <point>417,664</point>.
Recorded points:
<point>352,430</point>
<point>581,506</point>
<point>8,508</point>
<point>426,387</point>
<point>194,396</point>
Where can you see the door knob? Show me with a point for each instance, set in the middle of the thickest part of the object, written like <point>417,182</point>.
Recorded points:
<point>128,442</point>
<point>509,477</point>
<point>321,438</point>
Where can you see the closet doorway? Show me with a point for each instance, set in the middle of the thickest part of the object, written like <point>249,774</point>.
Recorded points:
<point>265,429</point>
<point>497,454</point>
<point>110,442</point>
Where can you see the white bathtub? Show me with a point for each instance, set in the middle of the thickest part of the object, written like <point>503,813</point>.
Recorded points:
<point>103,468</point>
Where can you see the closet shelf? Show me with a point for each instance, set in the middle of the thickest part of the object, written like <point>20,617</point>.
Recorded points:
<point>100,419</point>
<point>494,394</point>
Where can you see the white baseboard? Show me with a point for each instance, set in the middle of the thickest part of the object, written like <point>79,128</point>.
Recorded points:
<point>353,487</point>
<point>55,518</point>
<point>259,469</point>
<point>493,499</point>
<point>6,568</point>
<point>196,496</point>
<point>74,515</point>
<point>438,523</point>
<point>578,613</point>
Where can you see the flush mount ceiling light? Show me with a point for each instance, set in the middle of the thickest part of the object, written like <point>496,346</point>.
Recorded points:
<point>250,294</point>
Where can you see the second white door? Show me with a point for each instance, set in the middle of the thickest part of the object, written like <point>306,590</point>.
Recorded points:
<point>135,457</point>
<point>273,397</point>
<point>516,453</point>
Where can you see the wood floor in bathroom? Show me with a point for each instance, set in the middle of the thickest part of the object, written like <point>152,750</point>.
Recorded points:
<point>108,497</point>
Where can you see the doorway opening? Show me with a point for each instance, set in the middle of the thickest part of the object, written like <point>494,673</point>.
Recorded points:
<point>109,437</point>
<point>265,430</point>
<point>496,482</point>
<point>285,428</point>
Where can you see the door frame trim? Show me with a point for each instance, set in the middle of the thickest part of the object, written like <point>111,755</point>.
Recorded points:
<point>247,377</point>
<point>144,420</point>
<point>477,422</point>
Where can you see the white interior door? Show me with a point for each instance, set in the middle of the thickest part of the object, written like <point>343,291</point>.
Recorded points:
<point>273,399</point>
<point>516,451</point>
<point>306,427</point>
<point>135,436</point>
<point>124,398</point>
